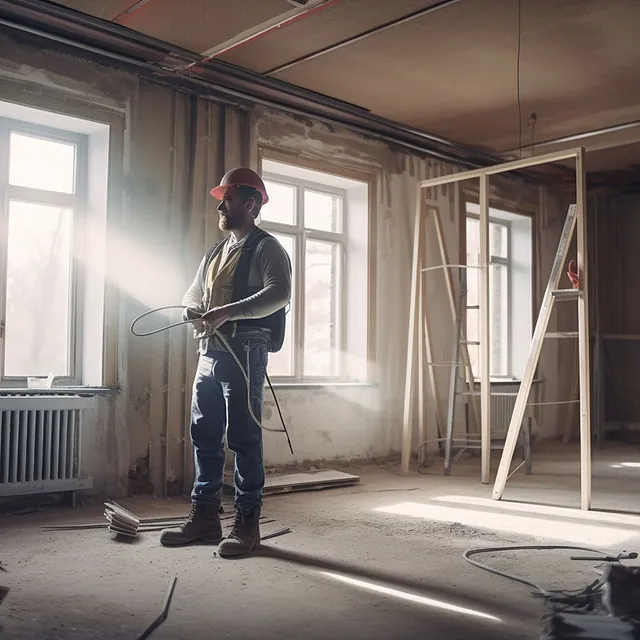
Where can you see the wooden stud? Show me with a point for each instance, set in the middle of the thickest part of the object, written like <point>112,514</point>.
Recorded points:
<point>583,340</point>
<point>407,419</point>
<point>485,335</point>
<point>505,167</point>
<point>421,359</point>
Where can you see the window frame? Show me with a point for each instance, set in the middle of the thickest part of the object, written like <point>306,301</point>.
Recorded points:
<point>300,235</point>
<point>507,262</point>
<point>77,203</point>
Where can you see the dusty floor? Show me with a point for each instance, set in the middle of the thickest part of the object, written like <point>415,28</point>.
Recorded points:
<point>323,580</point>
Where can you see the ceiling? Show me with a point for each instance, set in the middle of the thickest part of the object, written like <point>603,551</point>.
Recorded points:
<point>470,71</point>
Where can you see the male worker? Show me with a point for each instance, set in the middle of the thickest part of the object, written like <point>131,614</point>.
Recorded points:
<point>241,289</point>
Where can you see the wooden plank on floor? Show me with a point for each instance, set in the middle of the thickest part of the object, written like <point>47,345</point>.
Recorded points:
<point>307,481</point>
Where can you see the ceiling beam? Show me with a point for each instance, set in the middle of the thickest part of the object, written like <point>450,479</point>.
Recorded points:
<point>595,140</point>
<point>434,6</point>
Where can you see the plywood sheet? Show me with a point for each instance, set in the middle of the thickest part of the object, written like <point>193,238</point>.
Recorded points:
<point>338,21</point>
<point>286,483</point>
<point>199,25</point>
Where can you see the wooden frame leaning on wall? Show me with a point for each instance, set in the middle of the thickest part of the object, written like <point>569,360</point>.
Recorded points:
<point>416,321</point>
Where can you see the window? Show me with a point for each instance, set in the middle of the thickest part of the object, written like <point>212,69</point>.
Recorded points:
<point>510,290</point>
<point>311,214</point>
<point>43,178</point>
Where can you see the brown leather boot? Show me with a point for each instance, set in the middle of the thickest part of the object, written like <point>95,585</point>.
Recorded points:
<point>202,525</point>
<point>244,536</point>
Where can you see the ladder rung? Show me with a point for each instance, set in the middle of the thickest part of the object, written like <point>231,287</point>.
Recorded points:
<point>566,294</point>
<point>473,306</point>
<point>471,342</point>
<point>561,334</point>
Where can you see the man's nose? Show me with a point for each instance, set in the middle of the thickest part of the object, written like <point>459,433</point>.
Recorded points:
<point>222,208</point>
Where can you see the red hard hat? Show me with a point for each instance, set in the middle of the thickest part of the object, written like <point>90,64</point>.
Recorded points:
<point>242,176</point>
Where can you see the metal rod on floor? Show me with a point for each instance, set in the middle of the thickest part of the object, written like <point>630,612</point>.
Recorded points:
<point>165,611</point>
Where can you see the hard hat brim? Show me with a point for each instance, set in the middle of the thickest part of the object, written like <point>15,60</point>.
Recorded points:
<point>219,191</point>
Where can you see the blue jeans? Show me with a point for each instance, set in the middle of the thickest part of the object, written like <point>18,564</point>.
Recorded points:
<point>219,404</point>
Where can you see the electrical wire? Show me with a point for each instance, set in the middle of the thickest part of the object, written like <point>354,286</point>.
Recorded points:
<point>549,593</point>
<point>222,339</point>
<point>518,77</point>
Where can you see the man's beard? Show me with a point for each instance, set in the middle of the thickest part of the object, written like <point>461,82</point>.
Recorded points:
<point>228,222</point>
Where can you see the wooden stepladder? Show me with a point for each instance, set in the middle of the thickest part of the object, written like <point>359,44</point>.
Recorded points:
<point>552,295</point>
<point>419,331</point>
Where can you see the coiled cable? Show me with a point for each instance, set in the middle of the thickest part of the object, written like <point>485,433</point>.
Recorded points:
<point>222,339</point>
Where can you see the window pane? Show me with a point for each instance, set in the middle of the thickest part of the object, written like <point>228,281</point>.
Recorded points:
<point>498,234</point>
<point>321,309</point>
<point>42,164</point>
<point>473,242</point>
<point>282,203</point>
<point>322,211</point>
<point>38,290</point>
<point>499,301</point>
<point>281,363</point>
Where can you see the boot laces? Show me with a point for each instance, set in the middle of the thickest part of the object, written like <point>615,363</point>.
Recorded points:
<point>191,515</point>
<point>238,522</point>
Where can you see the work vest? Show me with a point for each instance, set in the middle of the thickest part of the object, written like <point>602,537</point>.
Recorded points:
<point>274,324</point>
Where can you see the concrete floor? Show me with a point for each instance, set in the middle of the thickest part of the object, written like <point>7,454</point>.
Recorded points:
<point>323,580</point>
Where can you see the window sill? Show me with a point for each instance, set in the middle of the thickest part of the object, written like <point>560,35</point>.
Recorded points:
<point>327,384</point>
<point>58,391</point>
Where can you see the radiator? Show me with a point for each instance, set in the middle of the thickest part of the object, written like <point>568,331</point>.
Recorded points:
<point>502,405</point>
<point>41,444</point>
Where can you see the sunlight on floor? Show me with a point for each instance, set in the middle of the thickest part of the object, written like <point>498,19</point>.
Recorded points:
<point>410,597</point>
<point>583,534</point>
<point>540,509</point>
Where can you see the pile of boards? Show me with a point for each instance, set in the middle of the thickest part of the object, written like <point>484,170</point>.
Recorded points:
<point>125,524</point>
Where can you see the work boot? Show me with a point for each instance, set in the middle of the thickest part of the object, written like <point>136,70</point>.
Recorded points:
<point>202,525</point>
<point>244,536</point>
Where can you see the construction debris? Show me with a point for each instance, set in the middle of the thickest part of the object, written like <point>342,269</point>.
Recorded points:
<point>126,524</point>
<point>121,521</point>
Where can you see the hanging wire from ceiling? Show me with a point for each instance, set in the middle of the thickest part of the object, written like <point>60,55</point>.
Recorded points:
<point>518,77</point>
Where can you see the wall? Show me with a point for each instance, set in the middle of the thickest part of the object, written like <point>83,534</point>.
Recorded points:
<point>166,149</point>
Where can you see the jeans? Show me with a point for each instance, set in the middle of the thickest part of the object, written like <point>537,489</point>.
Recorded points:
<point>219,404</point>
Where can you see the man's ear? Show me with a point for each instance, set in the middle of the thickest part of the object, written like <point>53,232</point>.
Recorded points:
<point>250,206</point>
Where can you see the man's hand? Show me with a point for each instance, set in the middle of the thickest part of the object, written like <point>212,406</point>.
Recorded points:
<point>215,318</point>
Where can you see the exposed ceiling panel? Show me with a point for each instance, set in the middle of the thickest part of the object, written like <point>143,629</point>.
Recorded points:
<point>99,8</point>
<point>198,25</point>
<point>339,21</point>
<point>453,72</point>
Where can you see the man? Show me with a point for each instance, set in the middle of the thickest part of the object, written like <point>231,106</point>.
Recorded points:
<point>241,289</point>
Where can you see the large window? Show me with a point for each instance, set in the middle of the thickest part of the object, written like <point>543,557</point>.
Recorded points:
<point>309,212</point>
<point>510,273</point>
<point>42,178</point>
